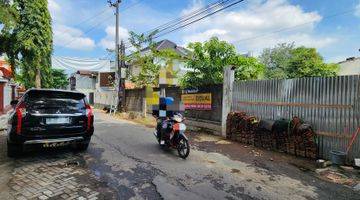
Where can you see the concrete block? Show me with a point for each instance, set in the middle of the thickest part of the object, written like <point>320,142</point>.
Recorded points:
<point>357,162</point>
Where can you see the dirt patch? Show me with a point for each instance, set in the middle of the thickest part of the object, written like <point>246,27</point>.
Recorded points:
<point>223,142</point>
<point>272,163</point>
<point>339,176</point>
<point>148,121</point>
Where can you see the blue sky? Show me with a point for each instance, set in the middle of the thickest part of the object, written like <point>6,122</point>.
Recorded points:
<point>331,26</point>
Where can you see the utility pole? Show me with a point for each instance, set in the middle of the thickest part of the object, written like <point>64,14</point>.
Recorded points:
<point>119,89</point>
<point>122,75</point>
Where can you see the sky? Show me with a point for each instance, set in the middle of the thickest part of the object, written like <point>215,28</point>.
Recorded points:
<point>86,28</point>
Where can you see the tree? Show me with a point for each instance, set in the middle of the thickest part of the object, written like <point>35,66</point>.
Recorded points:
<point>285,61</point>
<point>307,62</point>
<point>34,37</point>
<point>8,20</point>
<point>148,59</point>
<point>8,14</point>
<point>208,59</point>
<point>276,60</point>
<point>60,80</point>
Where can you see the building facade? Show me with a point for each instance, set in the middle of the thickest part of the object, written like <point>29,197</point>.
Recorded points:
<point>350,66</point>
<point>177,66</point>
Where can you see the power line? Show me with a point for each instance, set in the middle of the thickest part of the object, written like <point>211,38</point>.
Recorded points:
<point>88,19</point>
<point>208,15</point>
<point>92,17</point>
<point>177,20</point>
<point>187,16</point>
<point>208,10</point>
<point>87,31</point>
<point>132,5</point>
<point>97,24</point>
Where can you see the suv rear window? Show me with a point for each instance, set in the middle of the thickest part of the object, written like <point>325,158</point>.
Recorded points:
<point>47,100</point>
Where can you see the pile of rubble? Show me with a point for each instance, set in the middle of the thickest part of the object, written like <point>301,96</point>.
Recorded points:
<point>289,136</point>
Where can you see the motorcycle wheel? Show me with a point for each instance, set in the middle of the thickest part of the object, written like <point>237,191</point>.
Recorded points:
<point>183,148</point>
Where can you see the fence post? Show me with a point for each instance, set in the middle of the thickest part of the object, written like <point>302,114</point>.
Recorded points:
<point>229,76</point>
<point>144,108</point>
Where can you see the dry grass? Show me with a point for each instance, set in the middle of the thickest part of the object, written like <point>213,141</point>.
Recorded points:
<point>148,121</point>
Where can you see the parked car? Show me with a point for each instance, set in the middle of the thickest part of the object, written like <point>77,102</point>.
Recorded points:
<point>49,118</point>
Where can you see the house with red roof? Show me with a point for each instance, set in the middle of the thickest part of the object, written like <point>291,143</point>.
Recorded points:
<point>8,88</point>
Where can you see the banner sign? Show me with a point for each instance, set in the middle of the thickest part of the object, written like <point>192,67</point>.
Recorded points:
<point>153,98</point>
<point>199,101</point>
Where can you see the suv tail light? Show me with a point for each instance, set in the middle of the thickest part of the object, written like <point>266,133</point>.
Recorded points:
<point>90,116</point>
<point>20,113</point>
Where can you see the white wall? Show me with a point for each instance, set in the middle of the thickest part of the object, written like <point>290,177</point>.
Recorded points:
<point>350,67</point>
<point>85,82</point>
<point>7,94</point>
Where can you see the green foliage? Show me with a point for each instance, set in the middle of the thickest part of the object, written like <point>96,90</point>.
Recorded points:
<point>9,18</point>
<point>29,35</point>
<point>286,61</point>
<point>148,59</point>
<point>207,62</point>
<point>60,80</point>
<point>8,15</point>
<point>307,62</point>
<point>35,33</point>
<point>276,60</point>
<point>248,68</point>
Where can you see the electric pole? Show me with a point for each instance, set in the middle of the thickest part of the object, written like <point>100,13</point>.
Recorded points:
<point>122,75</point>
<point>119,88</point>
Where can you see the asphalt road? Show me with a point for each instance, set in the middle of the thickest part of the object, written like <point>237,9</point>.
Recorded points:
<point>124,161</point>
<point>126,156</point>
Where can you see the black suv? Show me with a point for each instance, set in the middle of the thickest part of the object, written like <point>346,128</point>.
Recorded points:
<point>49,118</point>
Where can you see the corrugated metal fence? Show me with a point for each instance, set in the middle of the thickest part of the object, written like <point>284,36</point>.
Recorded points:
<point>330,104</point>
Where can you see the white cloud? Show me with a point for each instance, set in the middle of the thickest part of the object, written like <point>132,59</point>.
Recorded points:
<point>254,27</point>
<point>203,36</point>
<point>53,6</point>
<point>300,39</point>
<point>196,4</point>
<point>72,38</point>
<point>108,42</point>
<point>55,10</point>
<point>357,11</point>
<point>65,35</point>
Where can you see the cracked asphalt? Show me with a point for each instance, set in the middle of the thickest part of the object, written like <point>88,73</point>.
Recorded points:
<point>124,161</point>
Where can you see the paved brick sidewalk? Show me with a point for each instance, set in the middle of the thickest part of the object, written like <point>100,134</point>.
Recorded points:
<point>54,174</point>
<point>58,178</point>
<point>59,174</point>
<point>5,169</point>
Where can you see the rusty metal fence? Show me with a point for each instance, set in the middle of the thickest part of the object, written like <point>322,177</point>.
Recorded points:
<point>331,105</point>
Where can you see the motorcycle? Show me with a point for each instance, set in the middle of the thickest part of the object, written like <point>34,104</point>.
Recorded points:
<point>171,133</point>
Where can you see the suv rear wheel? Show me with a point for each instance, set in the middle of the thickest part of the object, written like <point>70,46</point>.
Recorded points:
<point>14,150</point>
<point>82,146</point>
